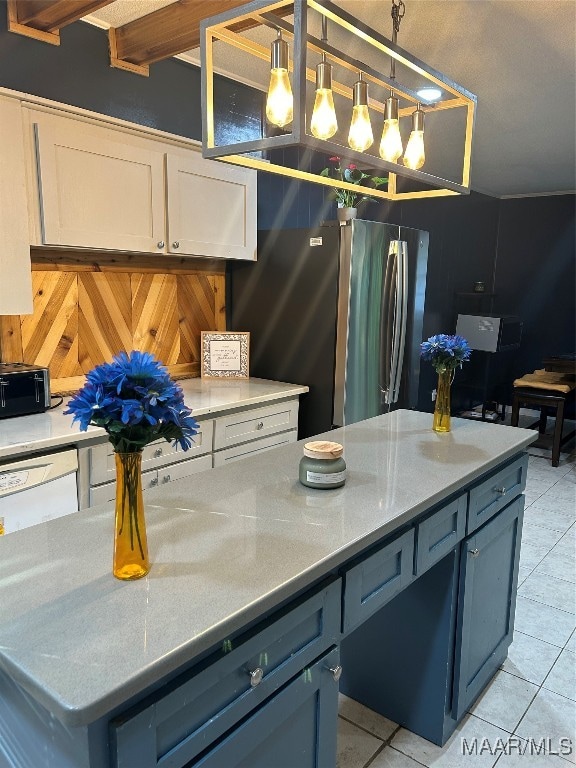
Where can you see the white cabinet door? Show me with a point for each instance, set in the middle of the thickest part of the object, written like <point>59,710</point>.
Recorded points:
<point>15,276</point>
<point>98,188</point>
<point>211,208</point>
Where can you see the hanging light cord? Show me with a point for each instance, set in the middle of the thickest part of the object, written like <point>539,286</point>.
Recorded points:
<point>397,13</point>
<point>324,34</point>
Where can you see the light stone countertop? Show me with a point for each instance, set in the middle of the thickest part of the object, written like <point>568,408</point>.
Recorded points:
<point>226,547</point>
<point>52,430</point>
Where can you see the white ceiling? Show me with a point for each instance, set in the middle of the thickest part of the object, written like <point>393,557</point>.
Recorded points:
<point>517,56</point>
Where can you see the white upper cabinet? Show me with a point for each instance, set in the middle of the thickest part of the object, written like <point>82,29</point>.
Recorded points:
<point>15,278</point>
<point>98,190</point>
<point>111,188</point>
<point>211,208</point>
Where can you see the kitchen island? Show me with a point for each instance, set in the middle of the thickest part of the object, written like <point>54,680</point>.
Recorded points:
<point>228,653</point>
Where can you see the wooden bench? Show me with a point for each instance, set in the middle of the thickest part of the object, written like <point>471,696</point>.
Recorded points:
<point>548,391</point>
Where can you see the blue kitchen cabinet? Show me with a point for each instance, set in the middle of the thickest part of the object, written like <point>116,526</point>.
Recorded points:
<point>297,727</point>
<point>426,654</point>
<point>487,602</point>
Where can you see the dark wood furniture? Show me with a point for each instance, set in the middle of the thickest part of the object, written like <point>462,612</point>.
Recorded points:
<point>545,399</point>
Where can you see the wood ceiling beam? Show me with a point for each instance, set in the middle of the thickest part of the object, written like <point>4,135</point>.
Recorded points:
<point>168,31</point>
<point>42,19</point>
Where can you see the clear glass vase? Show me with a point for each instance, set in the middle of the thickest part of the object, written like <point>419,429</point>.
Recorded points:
<point>442,408</point>
<point>130,543</point>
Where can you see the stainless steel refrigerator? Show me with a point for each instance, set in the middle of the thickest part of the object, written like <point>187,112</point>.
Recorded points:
<point>339,308</point>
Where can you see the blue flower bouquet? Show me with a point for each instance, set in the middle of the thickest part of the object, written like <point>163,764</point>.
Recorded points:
<point>134,399</point>
<point>446,353</point>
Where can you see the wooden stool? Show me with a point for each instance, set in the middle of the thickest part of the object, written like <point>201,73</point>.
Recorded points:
<point>544,398</point>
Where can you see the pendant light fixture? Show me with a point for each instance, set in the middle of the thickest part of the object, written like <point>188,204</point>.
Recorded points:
<point>360,136</point>
<point>414,156</point>
<point>324,123</point>
<point>391,142</point>
<point>314,61</point>
<point>279,102</point>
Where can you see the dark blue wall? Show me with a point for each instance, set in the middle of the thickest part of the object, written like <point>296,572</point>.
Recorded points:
<point>78,72</point>
<point>522,249</point>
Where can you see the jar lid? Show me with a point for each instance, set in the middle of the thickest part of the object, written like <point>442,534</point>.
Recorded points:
<point>322,449</point>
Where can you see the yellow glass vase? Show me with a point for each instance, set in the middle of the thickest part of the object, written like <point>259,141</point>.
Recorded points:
<point>130,543</point>
<point>442,408</point>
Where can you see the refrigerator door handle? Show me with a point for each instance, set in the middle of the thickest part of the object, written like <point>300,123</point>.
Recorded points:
<point>393,332</point>
<point>401,317</point>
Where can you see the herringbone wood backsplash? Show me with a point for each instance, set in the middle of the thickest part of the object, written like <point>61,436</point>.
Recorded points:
<point>84,316</point>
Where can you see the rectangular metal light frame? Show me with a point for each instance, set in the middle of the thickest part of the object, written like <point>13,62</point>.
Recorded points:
<point>226,27</point>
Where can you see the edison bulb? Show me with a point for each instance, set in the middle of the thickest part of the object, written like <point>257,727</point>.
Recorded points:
<point>391,143</point>
<point>324,124</point>
<point>280,102</point>
<point>414,156</point>
<point>360,136</point>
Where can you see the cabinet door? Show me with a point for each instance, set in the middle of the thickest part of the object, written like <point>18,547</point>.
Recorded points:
<point>296,728</point>
<point>98,188</point>
<point>211,208</point>
<point>15,275</point>
<point>487,602</point>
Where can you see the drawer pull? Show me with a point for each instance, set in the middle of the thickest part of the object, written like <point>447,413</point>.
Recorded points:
<point>166,479</point>
<point>154,481</point>
<point>256,676</point>
<point>474,552</point>
<point>501,491</point>
<point>157,453</point>
<point>336,672</point>
<point>260,425</point>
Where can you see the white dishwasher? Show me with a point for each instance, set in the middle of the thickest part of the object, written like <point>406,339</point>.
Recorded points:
<point>34,490</point>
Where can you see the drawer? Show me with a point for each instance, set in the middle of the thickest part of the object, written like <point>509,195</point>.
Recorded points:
<point>439,533</point>
<point>103,468</point>
<point>495,492</point>
<point>227,686</point>
<point>100,494</point>
<point>229,455</point>
<point>255,423</point>
<point>184,469</point>
<point>377,579</point>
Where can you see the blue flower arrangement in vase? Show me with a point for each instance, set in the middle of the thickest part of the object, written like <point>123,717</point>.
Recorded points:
<point>446,353</point>
<point>135,400</point>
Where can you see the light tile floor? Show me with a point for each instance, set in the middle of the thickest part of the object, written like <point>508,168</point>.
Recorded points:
<point>531,702</point>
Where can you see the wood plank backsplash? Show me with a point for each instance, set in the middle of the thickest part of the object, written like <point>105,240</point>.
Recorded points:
<point>85,314</point>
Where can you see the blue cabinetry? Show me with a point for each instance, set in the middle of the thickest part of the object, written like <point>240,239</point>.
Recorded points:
<point>487,601</point>
<point>424,656</point>
<point>296,728</point>
<point>178,724</point>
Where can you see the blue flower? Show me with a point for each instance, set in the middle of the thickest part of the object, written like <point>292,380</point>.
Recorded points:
<point>445,352</point>
<point>134,399</point>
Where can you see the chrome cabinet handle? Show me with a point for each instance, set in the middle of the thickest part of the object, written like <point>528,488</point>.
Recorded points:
<point>161,244</point>
<point>166,479</point>
<point>154,481</point>
<point>256,676</point>
<point>175,244</point>
<point>336,672</point>
<point>474,552</point>
<point>501,491</point>
<point>260,425</point>
<point>157,453</point>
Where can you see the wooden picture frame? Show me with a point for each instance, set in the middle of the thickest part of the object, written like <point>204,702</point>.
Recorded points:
<point>225,355</point>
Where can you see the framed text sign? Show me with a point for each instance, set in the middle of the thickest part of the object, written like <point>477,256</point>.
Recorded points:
<point>225,355</point>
